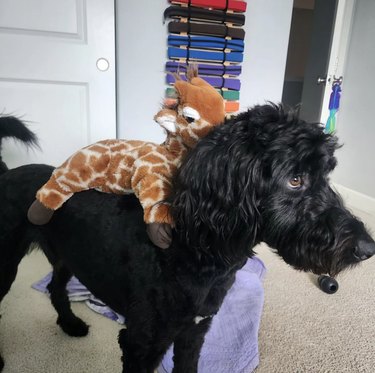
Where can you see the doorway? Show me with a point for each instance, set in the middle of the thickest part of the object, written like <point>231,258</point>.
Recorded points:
<point>308,56</point>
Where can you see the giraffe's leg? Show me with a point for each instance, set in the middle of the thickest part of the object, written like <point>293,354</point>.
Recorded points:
<point>156,213</point>
<point>50,197</point>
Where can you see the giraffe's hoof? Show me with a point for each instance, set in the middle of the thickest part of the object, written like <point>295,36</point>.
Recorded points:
<point>160,234</point>
<point>38,214</point>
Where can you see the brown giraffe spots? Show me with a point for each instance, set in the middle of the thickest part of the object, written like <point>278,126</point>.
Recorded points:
<point>99,163</point>
<point>153,194</point>
<point>125,175</point>
<point>70,182</point>
<point>135,143</point>
<point>153,158</point>
<point>140,173</point>
<point>55,199</point>
<point>77,160</point>
<point>162,170</point>
<point>98,147</point>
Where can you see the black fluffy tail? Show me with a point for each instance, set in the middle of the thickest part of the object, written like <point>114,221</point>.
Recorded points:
<point>13,127</point>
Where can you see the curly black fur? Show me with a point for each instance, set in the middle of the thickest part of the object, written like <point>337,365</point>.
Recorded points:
<point>262,176</point>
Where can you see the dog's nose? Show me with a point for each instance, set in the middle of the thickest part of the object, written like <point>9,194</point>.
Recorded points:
<point>364,250</point>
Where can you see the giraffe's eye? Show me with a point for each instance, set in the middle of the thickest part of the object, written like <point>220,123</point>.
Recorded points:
<point>191,115</point>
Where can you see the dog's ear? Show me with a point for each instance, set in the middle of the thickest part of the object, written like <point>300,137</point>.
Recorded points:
<point>215,206</point>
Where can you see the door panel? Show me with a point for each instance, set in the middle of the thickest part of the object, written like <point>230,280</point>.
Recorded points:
<point>50,78</point>
<point>41,15</point>
<point>57,142</point>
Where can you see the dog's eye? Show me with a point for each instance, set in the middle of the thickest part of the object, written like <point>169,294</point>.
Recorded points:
<point>295,182</point>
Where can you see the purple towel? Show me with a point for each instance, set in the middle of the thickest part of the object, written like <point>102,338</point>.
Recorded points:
<point>231,344</point>
<point>78,293</point>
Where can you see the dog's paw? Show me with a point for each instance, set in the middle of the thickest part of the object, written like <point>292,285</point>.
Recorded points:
<point>74,327</point>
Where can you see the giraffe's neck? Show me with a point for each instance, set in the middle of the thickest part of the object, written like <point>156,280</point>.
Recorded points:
<point>175,145</point>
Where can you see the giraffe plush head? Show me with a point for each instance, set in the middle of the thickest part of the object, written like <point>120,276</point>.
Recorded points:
<point>199,108</point>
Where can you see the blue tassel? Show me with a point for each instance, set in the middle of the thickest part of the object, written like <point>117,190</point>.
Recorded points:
<point>334,104</point>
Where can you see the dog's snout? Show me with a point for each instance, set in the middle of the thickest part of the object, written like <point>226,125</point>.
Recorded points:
<point>364,250</point>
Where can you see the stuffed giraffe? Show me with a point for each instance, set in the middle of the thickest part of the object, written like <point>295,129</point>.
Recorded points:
<point>145,168</point>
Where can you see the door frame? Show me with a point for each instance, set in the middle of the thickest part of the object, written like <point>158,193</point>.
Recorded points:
<point>339,48</point>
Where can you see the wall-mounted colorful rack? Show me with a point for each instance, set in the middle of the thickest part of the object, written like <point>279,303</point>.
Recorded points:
<point>209,34</point>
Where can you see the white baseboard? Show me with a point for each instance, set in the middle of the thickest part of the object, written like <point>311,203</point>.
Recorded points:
<point>356,199</point>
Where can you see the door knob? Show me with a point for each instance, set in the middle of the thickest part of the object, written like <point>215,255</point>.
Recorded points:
<point>321,80</point>
<point>102,64</point>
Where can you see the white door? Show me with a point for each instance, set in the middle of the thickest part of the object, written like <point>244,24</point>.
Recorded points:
<point>51,78</point>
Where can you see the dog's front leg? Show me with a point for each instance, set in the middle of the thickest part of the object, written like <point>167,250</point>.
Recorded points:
<point>187,346</point>
<point>142,351</point>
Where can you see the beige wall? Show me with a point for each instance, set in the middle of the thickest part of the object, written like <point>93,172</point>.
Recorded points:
<point>356,124</point>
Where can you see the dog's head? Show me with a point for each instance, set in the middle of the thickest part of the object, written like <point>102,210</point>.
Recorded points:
<point>264,176</point>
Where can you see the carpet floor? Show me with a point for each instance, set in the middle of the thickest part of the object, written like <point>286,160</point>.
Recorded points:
<point>304,330</point>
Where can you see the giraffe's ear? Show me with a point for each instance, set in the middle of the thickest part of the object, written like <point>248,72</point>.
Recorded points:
<point>182,89</point>
<point>192,72</point>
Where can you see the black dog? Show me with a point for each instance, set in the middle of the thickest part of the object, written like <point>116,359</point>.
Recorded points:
<point>262,176</point>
